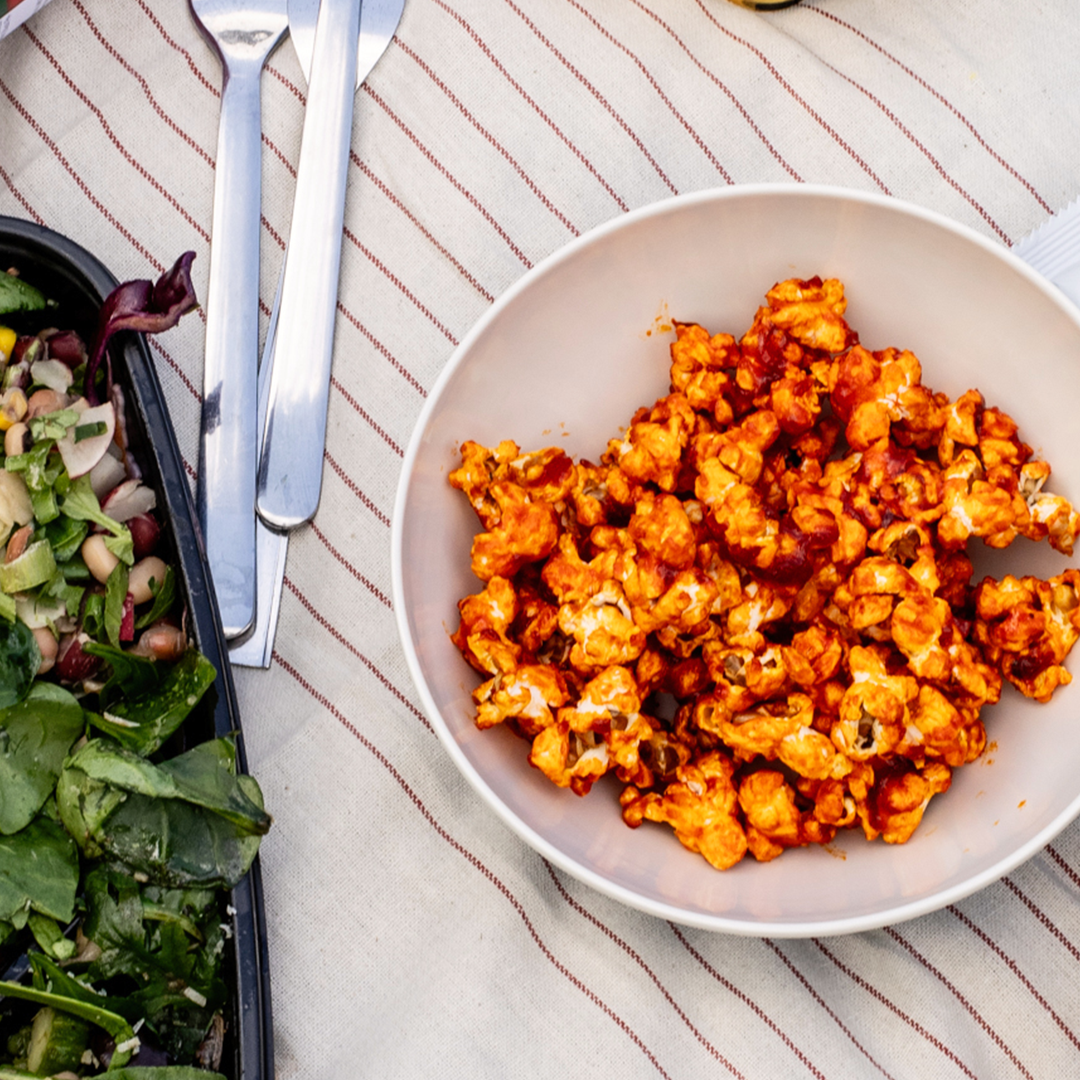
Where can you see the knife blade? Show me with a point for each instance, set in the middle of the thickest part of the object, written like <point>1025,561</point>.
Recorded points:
<point>378,21</point>
<point>291,456</point>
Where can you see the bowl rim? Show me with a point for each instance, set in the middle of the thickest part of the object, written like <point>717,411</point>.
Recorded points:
<point>902,912</point>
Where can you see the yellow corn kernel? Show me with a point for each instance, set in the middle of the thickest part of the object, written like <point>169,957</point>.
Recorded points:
<point>12,408</point>
<point>7,343</point>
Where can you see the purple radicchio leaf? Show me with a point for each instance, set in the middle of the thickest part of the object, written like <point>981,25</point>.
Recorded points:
<point>142,306</point>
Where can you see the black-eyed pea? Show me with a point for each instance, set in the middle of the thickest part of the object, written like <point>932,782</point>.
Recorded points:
<point>48,646</point>
<point>145,571</point>
<point>100,561</point>
<point>16,439</point>
<point>12,407</point>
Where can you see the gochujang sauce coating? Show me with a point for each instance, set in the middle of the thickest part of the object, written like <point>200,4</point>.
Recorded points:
<point>778,547</point>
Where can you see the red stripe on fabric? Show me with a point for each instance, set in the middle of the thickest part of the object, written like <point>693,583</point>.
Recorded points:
<point>426,233</point>
<point>189,469</point>
<point>939,97</point>
<point>1072,875</point>
<point>280,155</point>
<point>1041,916</point>
<point>82,185</point>
<point>608,932</point>
<point>111,50</point>
<point>387,272</point>
<point>771,68</point>
<point>438,166</point>
<point>369,585</point>
<point>473,860</point>
<point>877,995</point>
<point>701,144</point>
<point>352,486</point>
<point>21,199</point>
<point>754,1007</point>
<point>111,135</point>
<point>560,134</point>
<point>742,110</point>
<point>818,998</point>
<point>289,85</point>
<point>354,240</point>
<point>381,348</point>
<point>601,100</point>
<point>971,1010</point>
<point>276,237</point>
<point>181,374</point>
<point>338,636</point>
<point>505,154</point>
<point>1015,969</point>
<point>178,48</point>
<point>910,136</point>
<point>367,417</point>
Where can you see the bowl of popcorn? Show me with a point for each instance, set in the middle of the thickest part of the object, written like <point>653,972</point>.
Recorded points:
<point>731,569</point>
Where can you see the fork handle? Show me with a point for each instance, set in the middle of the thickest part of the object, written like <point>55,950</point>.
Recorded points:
<point>293,440</point>
<point>228,435</point>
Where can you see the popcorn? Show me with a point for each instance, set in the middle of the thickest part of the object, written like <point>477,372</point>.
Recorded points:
<point>756,612</point>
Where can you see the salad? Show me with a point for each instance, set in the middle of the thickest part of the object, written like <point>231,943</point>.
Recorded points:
<point>119,840</point>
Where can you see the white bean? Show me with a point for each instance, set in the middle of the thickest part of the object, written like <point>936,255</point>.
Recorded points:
<point>100,561</point>
<point>142,573</point>
<point>48,646</point>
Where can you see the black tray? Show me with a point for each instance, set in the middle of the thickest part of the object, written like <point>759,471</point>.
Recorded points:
<point>79,282</point>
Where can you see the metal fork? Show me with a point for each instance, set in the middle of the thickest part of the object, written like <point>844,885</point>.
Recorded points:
<point>243,33</point>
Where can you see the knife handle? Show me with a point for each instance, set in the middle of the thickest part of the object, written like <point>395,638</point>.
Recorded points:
<point>228,437</point>
<point>290,465</point>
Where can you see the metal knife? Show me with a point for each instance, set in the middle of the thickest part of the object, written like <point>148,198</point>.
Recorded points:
<point>291,456</point>
<point>378,21</point>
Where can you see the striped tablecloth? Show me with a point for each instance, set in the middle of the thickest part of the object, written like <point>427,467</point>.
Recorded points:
<point>411,934</point>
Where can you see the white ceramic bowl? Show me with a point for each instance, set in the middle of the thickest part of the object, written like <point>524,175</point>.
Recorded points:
<point>566,355</point>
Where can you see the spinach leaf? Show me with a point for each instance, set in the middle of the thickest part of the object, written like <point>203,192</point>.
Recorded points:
<point>190,821</point>
<point>142,720</point>
<point>19,295</point>
<point>170,943</point>
<point>20,659</point>
<point>35,737</point>
<point>39,871</point>
<point>131,676</point>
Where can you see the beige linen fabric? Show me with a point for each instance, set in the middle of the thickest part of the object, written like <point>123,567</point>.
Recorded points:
<point>411,934</point>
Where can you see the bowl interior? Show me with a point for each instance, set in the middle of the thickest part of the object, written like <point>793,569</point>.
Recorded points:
<point>566,356</point>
